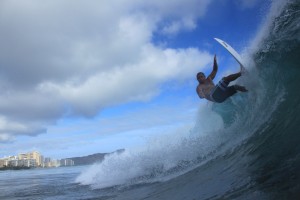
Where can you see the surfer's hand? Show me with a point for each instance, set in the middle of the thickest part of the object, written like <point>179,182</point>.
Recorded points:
<point>215,69</point>
<point>215,62</point>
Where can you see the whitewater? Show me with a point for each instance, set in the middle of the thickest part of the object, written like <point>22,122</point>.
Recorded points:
<point>245,148</point>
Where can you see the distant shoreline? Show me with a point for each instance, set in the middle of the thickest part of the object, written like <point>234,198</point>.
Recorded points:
<point>77,161</point>
<point>14,168</point>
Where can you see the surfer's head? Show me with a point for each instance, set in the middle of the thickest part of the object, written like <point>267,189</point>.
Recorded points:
<point>201,77</point>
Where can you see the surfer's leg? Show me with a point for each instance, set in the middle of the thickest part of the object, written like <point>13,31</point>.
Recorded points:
<point>240,88</point>
<point>232,77</point>
<point>230,91</point>
<point>221,94</point>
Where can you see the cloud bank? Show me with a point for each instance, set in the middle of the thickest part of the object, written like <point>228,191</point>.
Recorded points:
<point>61,57</point>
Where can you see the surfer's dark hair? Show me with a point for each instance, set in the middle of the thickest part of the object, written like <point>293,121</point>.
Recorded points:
<point>200,73</point>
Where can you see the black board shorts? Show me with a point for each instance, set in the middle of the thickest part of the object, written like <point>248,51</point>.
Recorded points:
<point>221,92</point>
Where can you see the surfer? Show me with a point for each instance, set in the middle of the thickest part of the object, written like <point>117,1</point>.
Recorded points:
<point>220,92</point>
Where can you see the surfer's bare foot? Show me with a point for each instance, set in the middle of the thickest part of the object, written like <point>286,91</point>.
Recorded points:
<point>243,70</point>
<point>240,88</point>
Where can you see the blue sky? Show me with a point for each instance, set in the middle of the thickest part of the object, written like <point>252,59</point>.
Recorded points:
<point>95,76</point>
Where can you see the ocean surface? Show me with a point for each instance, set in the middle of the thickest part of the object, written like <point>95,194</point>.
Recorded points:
<point>246,148</point>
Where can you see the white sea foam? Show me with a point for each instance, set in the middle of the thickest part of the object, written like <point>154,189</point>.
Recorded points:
<point>160,154</point>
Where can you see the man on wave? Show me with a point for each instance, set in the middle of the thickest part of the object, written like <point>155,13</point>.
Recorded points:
<point>220,92</point>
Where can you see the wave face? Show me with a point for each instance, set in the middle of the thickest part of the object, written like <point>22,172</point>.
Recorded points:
<point>246,148</point>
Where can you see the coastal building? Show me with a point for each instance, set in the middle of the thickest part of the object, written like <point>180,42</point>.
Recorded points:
<point>33,159</point>
<point>66,162</point>
<point>2,163</point>
<point>27,163</point>
<point>55,163</point>
<point>49,162</point>
<point>8,161</point>
<point>35,155</point>
<point>14,161</point>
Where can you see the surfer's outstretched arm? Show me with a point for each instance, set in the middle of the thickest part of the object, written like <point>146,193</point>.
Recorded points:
<point>215,68</point>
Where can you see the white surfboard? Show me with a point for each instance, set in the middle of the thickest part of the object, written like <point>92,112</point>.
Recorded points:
<point>231,51</point>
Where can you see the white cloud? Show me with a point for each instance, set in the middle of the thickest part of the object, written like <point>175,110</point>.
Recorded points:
<point>137,82</point>
<point>59,57</point>
<point>176,26</point>
<point>109,132</point>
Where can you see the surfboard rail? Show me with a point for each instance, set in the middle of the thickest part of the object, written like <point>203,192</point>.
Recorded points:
<point>231,50</point>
